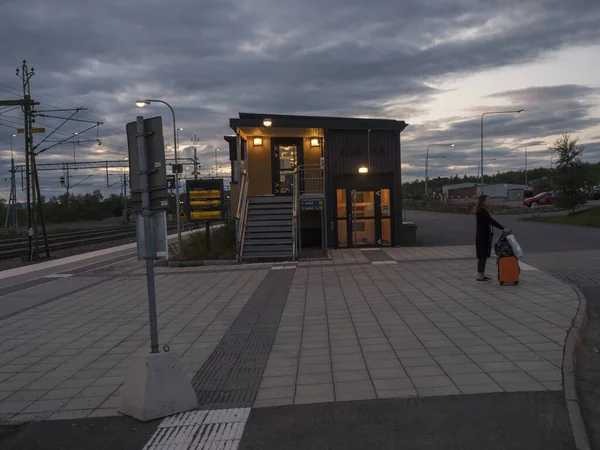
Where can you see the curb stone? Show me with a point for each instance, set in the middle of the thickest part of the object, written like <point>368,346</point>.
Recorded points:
<point>569,366</point>
<point>203,262</point>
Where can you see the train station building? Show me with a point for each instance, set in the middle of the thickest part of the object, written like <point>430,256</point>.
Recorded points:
<point>314,182</point>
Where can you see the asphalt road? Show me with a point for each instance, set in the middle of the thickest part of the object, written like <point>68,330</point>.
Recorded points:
<point>459,229</point>
<point>527,421</point>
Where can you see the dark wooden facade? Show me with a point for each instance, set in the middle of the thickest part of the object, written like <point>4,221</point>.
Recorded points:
<point>348,143</point>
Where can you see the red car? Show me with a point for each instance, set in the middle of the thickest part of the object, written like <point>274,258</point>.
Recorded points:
<point>544,198</point>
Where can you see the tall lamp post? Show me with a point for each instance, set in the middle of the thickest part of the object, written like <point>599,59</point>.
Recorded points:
<point>427,162</point>
<point>146,102</point>
<point>519,111</point>
<point>479,164</point>
<point>216,170</point>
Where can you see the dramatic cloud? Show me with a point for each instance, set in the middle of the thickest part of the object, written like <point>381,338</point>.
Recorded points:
<point>213,58</point>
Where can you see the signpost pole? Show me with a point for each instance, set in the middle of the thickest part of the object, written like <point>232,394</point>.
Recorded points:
<point>148,240</point>
<point>207,233</point>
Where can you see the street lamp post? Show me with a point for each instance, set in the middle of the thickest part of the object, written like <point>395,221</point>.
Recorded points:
<point>520,111</point>
<point>216,170</point>
<point>427,162</point>
<point>146,102</point>
<point>479,164</point>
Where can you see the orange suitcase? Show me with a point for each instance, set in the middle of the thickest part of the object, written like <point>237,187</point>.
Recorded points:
<point>508,269</point>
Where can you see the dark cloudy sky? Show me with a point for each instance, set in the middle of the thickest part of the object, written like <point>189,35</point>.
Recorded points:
<point>437,64</point>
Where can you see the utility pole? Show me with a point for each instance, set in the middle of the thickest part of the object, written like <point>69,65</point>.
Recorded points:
<point>195,141</point>
<point>12,210</point>
<point>526,183</point>
<point>124,196</point>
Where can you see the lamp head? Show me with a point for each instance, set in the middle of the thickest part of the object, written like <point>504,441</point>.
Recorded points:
<point>521,111</point>
<point>142,103</point>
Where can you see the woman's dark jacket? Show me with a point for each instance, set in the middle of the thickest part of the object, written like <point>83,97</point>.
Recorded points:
<point>485,233</point>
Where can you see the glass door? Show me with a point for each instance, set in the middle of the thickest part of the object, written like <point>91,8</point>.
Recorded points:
<point>364,218</point>
<point>286,157</point>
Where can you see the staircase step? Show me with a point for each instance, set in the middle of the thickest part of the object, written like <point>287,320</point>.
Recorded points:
<point>256,200</point>
<point>251,223</point>
<point>267,254</point>
<point>254,234</point>
<point>255,241</point>
<point>270,206</point>
<point>276,213</point>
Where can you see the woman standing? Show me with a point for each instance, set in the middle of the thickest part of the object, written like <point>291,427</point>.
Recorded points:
<point>484,234</point>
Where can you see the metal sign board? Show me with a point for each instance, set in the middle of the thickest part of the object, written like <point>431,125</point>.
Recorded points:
<point>11,102</point>
<point>205,200</point>
<point>311,205</point>
<point>33,130</point>
<point>170,181</point>
<point>158,225</point>
<point>155,144</point>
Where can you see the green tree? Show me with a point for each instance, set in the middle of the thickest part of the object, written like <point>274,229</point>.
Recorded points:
<point>572,177</point>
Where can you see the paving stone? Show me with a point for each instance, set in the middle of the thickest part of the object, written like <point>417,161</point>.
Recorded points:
<point>40,406</point>
<point>267,403</point>
<point>396,393</point>
<point>424,371</point>
<point>418,362</point>
<point>322,359</point>
<point>479,388</point>
<point>351,375</point>
<point>545,375</point>
<point>307,399</point>
<point>13,407</point>
<point>280,371</point>
<point>73,414</point>
<point>280,392</point>
<point>312,390</point>
<point>498,367</point>
<point>346,366</point>
<point>511,377</point>
<point>98,391</point>
<point>83,403</point>
<point>521,387</point>
<point>455,369</point>
<point>272,382</point>
<point>313,369</point>
<point>431,381</point>
<point>471,378</point>
<point>347,357</point>
<point>393,384</point>
<point>438,391</point>
<point>354,390</point>
<point>26,395</point>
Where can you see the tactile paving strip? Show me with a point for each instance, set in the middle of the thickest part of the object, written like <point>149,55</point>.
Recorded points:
<point>232,374</point>
<point>200,430</point>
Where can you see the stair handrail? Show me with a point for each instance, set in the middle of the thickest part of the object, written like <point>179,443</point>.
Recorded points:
<point>295,197</point>
<point>241,215</point>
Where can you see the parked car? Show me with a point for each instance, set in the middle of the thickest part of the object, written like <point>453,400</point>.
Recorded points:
<point>596,193</point>
<point>544,198</point>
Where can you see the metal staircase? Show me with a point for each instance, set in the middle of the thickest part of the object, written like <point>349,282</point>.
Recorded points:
<point>269,229</point>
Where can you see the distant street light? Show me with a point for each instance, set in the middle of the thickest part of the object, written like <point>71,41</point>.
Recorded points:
<point>427,162</point>
<point>141,104</point>
<point>519,111</point>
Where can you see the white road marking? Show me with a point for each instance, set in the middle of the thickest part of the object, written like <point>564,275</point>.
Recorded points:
<point>382,263</point>
<point>201,430</point>
<point>59,275</point>
<point>283,267</point>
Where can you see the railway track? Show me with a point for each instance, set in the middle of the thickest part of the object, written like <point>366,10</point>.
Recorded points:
<point>17,247</point>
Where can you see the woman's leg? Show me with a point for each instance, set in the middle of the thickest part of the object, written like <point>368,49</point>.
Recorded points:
<point>481,262</point>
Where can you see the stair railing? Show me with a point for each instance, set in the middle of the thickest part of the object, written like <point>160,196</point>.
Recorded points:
<point>241,215</point>
<point>295,190</point>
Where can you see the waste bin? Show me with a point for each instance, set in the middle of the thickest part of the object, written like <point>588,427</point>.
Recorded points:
<point>408,234</point>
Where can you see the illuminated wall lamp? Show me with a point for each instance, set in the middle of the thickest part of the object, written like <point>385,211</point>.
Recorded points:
<point>257,141</point>
<point>314,142</point>
<point>363,169</point>
<point>267,122</point>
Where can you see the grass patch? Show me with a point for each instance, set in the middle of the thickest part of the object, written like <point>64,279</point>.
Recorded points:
<point>194,246</point>
<point>587,218</point>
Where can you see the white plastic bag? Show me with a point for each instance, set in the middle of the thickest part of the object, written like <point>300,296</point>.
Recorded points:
<point>517,250</point>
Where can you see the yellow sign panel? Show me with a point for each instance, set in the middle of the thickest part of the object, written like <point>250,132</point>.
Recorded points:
<point>33,130</point>
<point>205,214</point>
<point>208,193</point>
<point>205,203</point>
<point>182,217</point>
